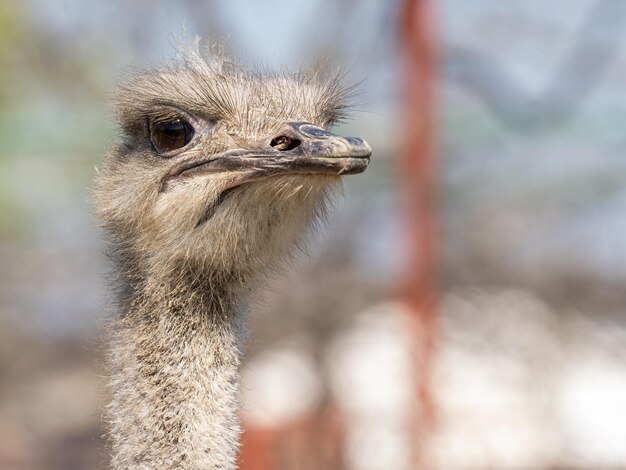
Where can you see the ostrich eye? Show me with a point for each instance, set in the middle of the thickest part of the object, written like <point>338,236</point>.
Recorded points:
<point>169,136</point>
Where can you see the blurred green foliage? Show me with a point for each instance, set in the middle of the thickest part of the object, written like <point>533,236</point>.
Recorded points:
<point>12,31</point>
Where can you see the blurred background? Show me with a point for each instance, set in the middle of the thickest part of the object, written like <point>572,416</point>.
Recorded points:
<point>464,308</point>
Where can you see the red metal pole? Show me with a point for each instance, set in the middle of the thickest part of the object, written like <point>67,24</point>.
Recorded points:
<point>418,168</point>
<point>258,449</point>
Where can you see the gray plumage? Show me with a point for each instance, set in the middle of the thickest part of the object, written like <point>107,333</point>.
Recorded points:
<point>189,241</point>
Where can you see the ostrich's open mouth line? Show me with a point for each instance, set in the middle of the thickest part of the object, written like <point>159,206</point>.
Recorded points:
<point>262,164</point>
<point>254,166</point>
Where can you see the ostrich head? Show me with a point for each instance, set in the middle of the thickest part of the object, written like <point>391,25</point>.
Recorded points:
<point>219,168</point>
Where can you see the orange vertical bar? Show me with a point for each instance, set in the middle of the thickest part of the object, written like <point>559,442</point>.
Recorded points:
<point>418,172</point>
<point>257,449</point>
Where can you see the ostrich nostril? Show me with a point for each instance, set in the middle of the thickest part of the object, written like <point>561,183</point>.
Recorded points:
<point>282,143</point>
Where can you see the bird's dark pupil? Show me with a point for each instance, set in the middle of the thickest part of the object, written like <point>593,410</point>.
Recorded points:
<point>168,136</point>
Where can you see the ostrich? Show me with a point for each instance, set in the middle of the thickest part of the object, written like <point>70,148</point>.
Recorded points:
<point>218,173</point>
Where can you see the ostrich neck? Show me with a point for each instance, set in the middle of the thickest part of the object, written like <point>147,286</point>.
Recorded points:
<point>175,358</point>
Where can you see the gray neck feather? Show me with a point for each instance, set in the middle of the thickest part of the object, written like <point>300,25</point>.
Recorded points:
<point>175,357</point>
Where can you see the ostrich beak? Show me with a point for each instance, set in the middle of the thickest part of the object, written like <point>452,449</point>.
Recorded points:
<point>298,148</point>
